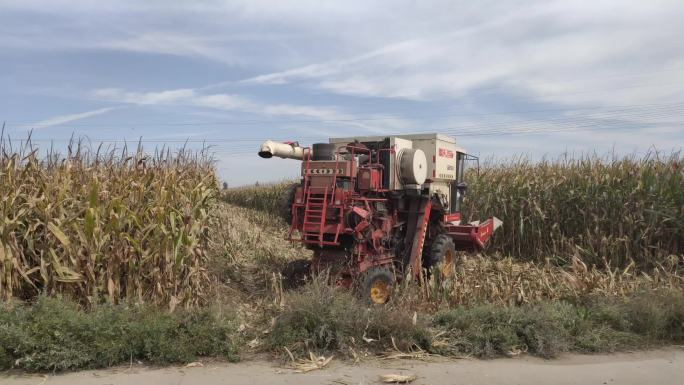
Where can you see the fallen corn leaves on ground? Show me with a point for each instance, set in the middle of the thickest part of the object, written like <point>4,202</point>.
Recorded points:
<point>255,248</point>
<point>508,282</point>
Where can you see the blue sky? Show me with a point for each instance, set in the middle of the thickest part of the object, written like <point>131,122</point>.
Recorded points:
<point>503,77</point>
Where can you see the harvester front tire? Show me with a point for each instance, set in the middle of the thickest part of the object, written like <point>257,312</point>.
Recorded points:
<point>288,200</point>
<point>295,273</point>
<point>376,285</point>
<point>442,256</point>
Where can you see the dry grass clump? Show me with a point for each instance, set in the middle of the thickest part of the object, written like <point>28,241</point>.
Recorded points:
<point>116,224</point>
<point>322,318</point>
<point>617,210</point>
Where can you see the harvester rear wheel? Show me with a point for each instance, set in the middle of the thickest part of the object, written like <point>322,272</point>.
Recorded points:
<point>375,285</point>
<point>442,256</point>
<point>295,273</point>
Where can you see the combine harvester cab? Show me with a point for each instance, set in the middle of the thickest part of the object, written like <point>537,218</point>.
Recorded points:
<point>377,209</point>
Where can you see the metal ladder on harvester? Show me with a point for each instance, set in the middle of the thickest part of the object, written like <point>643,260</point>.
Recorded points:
<point>315,209</point>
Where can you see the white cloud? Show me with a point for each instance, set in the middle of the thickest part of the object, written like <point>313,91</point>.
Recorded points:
<point>327,68</point>
<point>225,102</point>
<point>58,120</point>
<point>229,102</point>
<point>345,60</point>
<point>168,42</point>
<point>550,51</point>
<point>144,98</point>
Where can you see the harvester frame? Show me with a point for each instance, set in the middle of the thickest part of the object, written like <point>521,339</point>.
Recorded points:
<point>367,221</point>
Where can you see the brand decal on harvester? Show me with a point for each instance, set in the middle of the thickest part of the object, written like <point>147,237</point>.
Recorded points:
<point>444,153</point>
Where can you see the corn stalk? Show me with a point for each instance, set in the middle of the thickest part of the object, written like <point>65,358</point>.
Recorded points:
<point>96,224</point>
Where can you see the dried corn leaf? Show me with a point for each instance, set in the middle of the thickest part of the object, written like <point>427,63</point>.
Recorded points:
<point>397,378</point>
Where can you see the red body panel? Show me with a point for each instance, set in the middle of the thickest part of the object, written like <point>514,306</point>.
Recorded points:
<point>469,237</point>
<point>344,213</point>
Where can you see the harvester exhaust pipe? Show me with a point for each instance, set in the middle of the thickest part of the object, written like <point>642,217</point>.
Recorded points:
<point>290,150</point>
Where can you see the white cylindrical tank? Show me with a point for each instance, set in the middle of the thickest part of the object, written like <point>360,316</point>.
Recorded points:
<point>270,149</point>
<point>412,166</point>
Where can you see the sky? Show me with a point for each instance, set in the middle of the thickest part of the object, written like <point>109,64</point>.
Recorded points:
<point>539,78</point>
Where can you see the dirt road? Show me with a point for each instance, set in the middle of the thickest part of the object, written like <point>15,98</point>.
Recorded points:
<point>654,367</point>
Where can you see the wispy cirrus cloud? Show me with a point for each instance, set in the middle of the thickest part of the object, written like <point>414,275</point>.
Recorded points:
<point>62,119</point>
<point>239,103</point>
<point>219,101</point>
<point>555,52</point>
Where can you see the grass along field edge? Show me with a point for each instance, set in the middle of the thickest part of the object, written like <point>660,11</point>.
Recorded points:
<point>56,334</point>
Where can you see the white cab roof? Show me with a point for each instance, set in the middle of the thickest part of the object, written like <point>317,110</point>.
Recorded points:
<point>445,138</point>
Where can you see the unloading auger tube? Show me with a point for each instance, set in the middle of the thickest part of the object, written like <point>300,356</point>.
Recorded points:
<point>377,209</point>
<point>290,150</point>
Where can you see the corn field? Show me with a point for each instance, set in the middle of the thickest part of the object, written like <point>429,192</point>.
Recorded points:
<point>605,211</point>
<point>123,225</point>
<point>266,197</point>
<point>96,224</point>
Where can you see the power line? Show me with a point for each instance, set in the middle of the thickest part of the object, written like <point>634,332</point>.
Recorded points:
<point>600,119</point>
<point>380,118</point>
<point>472,129</point>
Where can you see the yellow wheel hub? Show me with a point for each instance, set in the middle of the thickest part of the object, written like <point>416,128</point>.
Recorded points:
<point>446,267</point>
<point>379,291</point>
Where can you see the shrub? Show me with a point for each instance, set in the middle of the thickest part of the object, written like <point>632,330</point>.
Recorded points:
<point>548,328</point>
<point>55,334</point>
<point>654,315</point>
<point>489,331</point>
<point>324,318</point>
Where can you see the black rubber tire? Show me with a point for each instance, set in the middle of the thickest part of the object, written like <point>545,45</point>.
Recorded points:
<point>287,201</point>
<point>295,273</point>
<point>443,246</point>
<point>323,151</point>
<point>367,280</point>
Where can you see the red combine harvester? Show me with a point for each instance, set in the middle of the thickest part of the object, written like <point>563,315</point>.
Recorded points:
<point>374,209</point>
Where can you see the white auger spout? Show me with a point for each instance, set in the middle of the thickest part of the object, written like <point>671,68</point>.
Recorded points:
<point>287,150</point>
